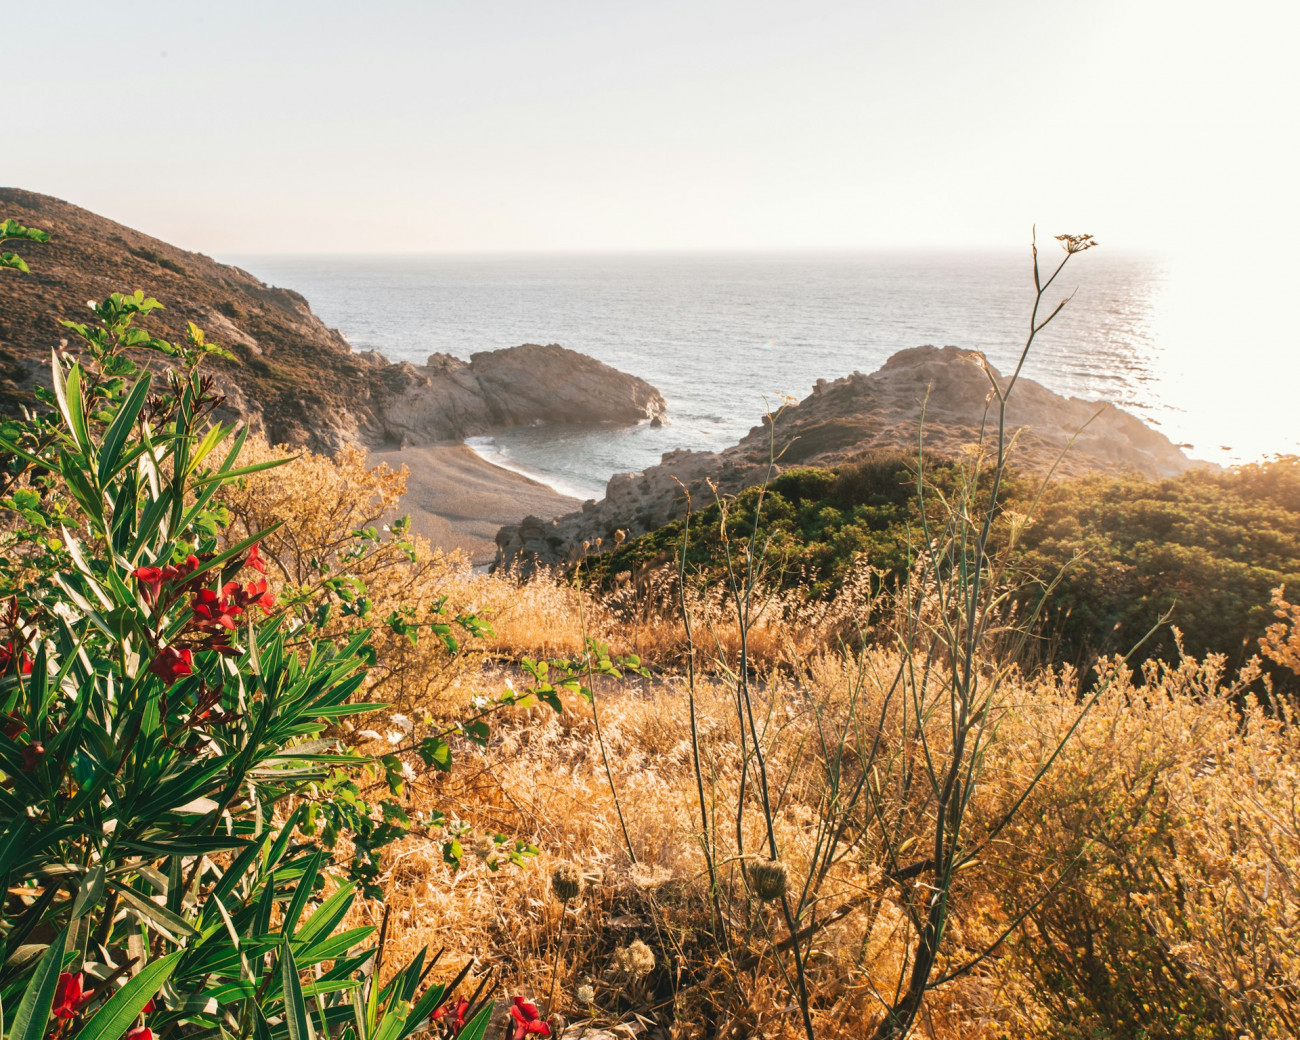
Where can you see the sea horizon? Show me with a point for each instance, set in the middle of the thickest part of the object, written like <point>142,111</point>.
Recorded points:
<point>724,334</point>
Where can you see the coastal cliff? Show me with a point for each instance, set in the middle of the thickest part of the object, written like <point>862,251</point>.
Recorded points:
<point>292,379</point>
<point>848,417</point>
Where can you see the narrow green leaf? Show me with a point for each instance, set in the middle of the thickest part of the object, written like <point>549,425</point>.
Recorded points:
<point>476,1027</point>
<point>301,894</point>
<point>112,1020</point>
<point>114,440</point>
<point>162,919</point>
<point>38,998</point>
<point>327,915</point>
<point>295,1008</point>
<point>392,1024</point>
<point>91,893</point>
<point>424,1007</point>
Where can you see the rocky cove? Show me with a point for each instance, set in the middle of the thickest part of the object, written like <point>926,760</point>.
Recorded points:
<point>937,397</point>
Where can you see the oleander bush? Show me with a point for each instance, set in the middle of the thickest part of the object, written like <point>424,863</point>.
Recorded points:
<point>171,804</point>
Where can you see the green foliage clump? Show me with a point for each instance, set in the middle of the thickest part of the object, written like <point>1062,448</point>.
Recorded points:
<point>1206,547</point>
<point>816,526</point>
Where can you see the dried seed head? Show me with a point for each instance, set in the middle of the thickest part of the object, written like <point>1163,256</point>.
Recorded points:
<point>620,536</point>
<point>585,993</point>
<point>769,879</point>
<point>566,882</point>
<point>635,959</point>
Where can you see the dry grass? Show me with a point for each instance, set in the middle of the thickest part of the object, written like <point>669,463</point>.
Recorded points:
<point>1165,838</point>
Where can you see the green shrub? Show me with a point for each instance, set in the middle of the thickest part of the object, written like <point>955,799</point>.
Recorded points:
<point>1206,547</point>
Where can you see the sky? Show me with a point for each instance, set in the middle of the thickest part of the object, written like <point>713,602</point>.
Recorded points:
<point>451,126</point>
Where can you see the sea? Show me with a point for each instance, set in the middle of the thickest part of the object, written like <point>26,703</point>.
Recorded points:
<point>1190,348</point>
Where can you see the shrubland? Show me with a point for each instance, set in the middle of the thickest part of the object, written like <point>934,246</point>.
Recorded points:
<point>831,760</point>
<point>1207,547</point>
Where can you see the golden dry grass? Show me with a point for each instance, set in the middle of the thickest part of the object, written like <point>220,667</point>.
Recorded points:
<point>1156,868</point>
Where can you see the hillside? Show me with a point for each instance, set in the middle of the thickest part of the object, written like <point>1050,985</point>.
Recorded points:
<point>293,378</point>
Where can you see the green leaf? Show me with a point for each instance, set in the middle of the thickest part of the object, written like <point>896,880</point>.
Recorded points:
<point>74,408</point>
<point>91,893</point>
<point>436,752</point>
<point>295,1008</point>
<point>162,919</point>
<point>423,1008</point>
<point>112,1020</point>
<point>476,1027</point>
<point>114,440</point>
<point>327,915</point>
<point>38,998</point>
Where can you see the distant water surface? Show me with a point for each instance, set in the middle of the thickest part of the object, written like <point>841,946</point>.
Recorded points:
<point>727,337</point>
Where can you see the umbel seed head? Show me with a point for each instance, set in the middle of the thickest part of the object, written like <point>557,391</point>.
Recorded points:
<point>566,881</point>
<point>769,879</point>
<point>635,959</point>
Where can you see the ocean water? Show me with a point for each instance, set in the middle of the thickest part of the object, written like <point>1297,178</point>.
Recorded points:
<point>725,338</point>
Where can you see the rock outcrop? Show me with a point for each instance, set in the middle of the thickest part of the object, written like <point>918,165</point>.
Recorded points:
<point>851,416</point>
<point>450,399</point>
<point>293,379</point>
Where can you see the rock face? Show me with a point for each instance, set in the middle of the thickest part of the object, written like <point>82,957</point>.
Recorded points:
<point>450,399</point>
<point>853,415</point>
<point>293,379</point>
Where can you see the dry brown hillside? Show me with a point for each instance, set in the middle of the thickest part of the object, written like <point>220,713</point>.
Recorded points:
<point>294,378</point>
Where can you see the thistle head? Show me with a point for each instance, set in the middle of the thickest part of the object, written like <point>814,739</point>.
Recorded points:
<point>769,879</point>
<point>566,882</point>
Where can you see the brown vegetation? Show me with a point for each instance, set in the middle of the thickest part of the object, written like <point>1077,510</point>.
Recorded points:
<point>1154,870</point>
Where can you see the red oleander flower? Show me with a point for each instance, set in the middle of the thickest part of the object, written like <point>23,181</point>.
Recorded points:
<point>154,578</point>
<point>254,558</point>
<point>454,1015</point>
<point>140,1033</point>
<point>528,1022</point>
<point>68,995</point>
<point>148,1007</point>
<point>11,651</point>
<point>253,594</point>
<point>213,610</point>
<point>172,664</point>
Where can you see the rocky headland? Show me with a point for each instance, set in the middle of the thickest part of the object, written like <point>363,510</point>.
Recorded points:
<point>293,379</point>
<point>849,417</point>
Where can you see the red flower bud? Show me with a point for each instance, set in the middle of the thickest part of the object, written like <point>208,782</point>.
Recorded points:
<point>31,756</point>
<point>11,651</point>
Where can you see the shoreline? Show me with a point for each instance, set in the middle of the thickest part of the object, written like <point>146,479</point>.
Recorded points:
<point>459,500</point>
<point>487,449</point>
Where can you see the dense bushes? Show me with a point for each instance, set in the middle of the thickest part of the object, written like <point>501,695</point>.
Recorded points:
<point>1205,547</point>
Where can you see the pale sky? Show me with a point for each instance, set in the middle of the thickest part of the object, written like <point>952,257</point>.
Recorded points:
<point>387,126</point>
